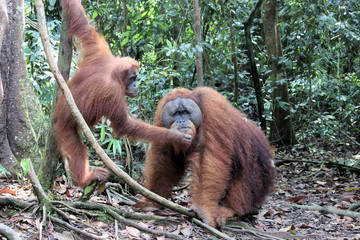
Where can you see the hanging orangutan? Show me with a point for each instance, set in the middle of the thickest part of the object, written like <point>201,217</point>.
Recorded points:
<point>99,88</point>
<point>231,164</point>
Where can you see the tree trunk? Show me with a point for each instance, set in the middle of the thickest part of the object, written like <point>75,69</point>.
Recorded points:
<point>22,122</point>
<point>281,130</point>
<point>234,58</point>
<point>4,21</point>
<point>253,69</point>
<point>52,157</point>
<point>199,64</point>
<point>126,22</point>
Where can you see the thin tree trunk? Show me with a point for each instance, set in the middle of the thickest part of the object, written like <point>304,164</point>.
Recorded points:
<point>4,21</point>
<point>234,58</point>
<point>281,130</point>
<point>52,157</point>
<point>253,69</point>
<point>22,123</point>
<point>199,64</point>
<point>126,22</point>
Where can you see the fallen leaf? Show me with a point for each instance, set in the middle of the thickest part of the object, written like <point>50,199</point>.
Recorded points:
<point>289,228</point>
<point>297,199</point>
<point>133,232</point>
<point>7,191</point>
<point>186,231</point>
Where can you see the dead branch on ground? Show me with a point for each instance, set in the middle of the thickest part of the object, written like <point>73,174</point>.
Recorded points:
<point>329,209</point>
<point>280,161</point>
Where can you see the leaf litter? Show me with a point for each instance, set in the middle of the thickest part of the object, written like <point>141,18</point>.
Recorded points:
<point>297,183</point>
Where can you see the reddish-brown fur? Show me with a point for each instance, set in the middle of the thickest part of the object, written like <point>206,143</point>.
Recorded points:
<point>230,160</point>
<point>99,89</point>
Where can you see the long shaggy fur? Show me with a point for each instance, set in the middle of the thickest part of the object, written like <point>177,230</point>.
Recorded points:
<point>99,88</point>
<point>230,160</point>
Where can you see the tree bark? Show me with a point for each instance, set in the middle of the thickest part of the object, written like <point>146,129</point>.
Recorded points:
<point>253,69</point>
<point>8,233</point>
<point>281,130</point>
<point>4,21</point>
<point>22,122</point>
<point>126,22</point>
<point>52,157</point>
<point>199,61</point>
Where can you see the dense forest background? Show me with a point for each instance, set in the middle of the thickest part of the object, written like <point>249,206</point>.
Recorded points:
<point>291,66</point>
<point>320,56</point>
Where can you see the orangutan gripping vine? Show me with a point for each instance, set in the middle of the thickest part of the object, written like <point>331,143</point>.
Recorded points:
<point>99,87</point>
<point>231,164</point>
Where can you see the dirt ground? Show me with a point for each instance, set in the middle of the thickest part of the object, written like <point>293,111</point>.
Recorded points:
<point>297,183</point>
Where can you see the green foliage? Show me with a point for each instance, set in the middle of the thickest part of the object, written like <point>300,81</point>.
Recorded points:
<point>113,145</point>
<point>321,58</point>
<point>38,69</point>
<point>25,167</point>
<point>3,169</point>
<point>321,53</point>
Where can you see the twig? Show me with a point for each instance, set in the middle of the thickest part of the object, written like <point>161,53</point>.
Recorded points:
<point>115,215</point>
<point>245,228</point>
<point>285,160</point>
<point>118,211</point>
<point>122,190</point>
<point>123,198</point>
<point>351,139</point>
<point>64,216</point>
<point>42,222</point>
<point>211,229</point>
<point>312,174</point>
<point>67,225</point>
<point>86,213</point>
<point>329,209</point>
<point>181,188</point>
<point>115,222</point>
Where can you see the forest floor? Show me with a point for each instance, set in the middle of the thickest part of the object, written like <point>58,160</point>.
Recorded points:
<point>297,183</point>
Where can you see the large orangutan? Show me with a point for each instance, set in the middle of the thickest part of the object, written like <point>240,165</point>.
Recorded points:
<point>99,87</point>
<point>231,164</point>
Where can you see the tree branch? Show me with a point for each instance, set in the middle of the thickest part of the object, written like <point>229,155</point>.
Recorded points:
<point>329,209</point>
<point>11,201</point>
<point>286,160</point>
<point>8,233</point>
<point>355,206</point>
<point>115,215</point>
<point>67,225</point>
<point>84,127</point>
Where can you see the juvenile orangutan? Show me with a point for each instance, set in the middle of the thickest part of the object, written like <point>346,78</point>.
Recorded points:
<point>99,88</point>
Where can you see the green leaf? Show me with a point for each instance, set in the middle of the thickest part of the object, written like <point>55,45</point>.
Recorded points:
<point>52,2</point>
<point>88,189</point>
<point>3,169</point>
<point>190,54</point>
<point>95,14</point>
<point>118,147</point>
<point>102,133</point>
<point>114,146</point>
<point>199,48</point>
<point>25,165</point>
<point>168,43</point>
<point>125,41</point>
